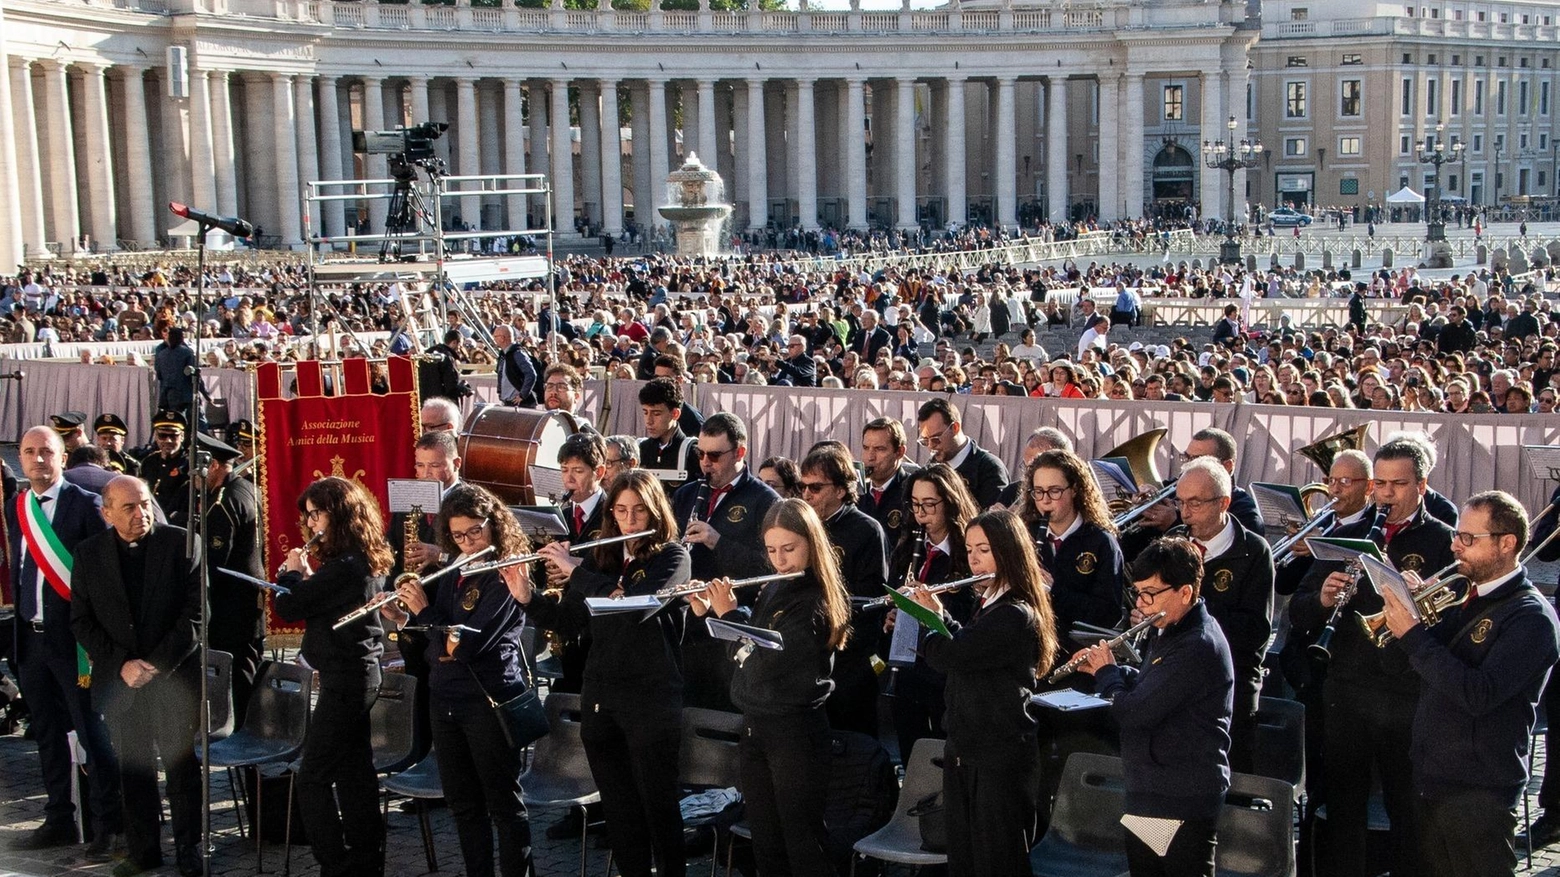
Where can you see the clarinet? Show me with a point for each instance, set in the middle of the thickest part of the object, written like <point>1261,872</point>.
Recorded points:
<point>701,500</point>
<point>1043,539</point>
<point>918,547</point>
<point>1322,648</point>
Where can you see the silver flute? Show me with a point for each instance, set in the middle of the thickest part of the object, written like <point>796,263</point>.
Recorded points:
<point>313,540</point>
<point>1113,643</point>
<point>943,588</point>
<point>385,597</point>
<point>532,558</point>
<point>672,593</point>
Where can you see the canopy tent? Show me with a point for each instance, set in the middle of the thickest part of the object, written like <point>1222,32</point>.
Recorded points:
<point>1405,195</point>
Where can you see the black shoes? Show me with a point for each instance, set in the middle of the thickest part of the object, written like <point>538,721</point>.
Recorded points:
<point>131,867</point>
<point>1545,830</point>
<point>188,860</point>
<point>106,847</point>
<point>46,837</point>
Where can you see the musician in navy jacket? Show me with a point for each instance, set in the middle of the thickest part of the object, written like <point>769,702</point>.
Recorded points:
<point>1483,667</point>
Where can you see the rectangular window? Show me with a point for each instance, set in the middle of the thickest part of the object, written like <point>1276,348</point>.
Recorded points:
<point>1404,144</point>
<point>1431,93</point>
<point>1522,140</point>
<point>1349,102</point>
<point>1175,107</point>
<point>1543,98</point>
<point>1451,183</point>
<point>1348,146</point>
<point>1478,144</point>
<point>1299,13</point>
<point>1456,102</point>
<point>1349,187</point>
<point>1294,147</point>
<point>1500,98</point>
<point>1543,142</point>
<point>1407,108</point>
<point>1522,97</point>
<point>1352,58</point>
<point>1478,97</point>
<point>1297,61</point>
<point>1294,101</point>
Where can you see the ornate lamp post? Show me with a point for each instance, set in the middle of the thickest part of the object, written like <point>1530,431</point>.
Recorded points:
<point>1229,156</point>
<point>1435,153</point>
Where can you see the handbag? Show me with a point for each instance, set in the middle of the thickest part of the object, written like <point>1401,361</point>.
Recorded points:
<point>933,820</point>
<point>523,717</point>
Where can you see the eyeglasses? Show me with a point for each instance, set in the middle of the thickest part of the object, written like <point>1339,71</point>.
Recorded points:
<point>712,456</point>
<point>815,486</point>
<point>1466,540</point>
<point>431,427</point>
<point>1145,596</point>
<point>470,534</point>
<point>1049,492</point>
<point>555,387</point>
<point>1344,482</point>
<point>927,441</point>
<point>624,511</point>
<point>926,506</point>
<point>311,514</point>
<point>1196,502</point>
<point>613,464</point>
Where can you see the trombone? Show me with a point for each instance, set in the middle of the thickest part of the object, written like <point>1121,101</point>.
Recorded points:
<point>491,566</point>
<point>1282,552</point>
<point>384,598</point>
<point>1135,512</point>
<point>945,587</point>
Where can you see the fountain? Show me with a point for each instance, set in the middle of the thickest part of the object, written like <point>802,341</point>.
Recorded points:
<point>697,210</point>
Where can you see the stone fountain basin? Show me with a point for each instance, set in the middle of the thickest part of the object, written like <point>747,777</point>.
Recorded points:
<point>676,212</point>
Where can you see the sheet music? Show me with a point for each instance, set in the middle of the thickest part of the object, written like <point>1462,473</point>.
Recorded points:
<point>1068,700</point>
<point>251,580</point>
<point>540,520</point>
<point>1384,578</point>
<point>1341,550</point>
<point>907,635</point>
<point>761,637</point>
<point>547,483</point>
<point>1278,503</point>
<point>616,605</point>
<point>1545,461</point>
<point>403,493</point>
<point>1114,474</point>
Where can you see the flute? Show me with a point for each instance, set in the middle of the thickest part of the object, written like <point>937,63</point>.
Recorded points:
<point>386,597</point>
<point>532,558</point>
<point>313,540</point>
<point>1068,668</point>
<point>943,588</point>
<point>675,591</point>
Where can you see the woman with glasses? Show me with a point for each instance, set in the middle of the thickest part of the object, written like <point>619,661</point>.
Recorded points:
<point>1064,382</point>
<point>1077,543</point>
<point>632,696</point>
<point>479,770</point>
<point>991,761</point>
<point>782,476</point>
<point>338,791</point>
<point>930,552</point>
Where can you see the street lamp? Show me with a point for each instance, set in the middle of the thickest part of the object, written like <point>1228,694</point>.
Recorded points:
<point>1229,156</point>
<point>1435,153</point>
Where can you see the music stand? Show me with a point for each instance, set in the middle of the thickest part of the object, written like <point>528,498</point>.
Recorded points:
<point>1544,460</point>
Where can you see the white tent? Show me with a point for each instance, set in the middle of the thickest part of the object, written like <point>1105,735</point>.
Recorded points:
<point>1405,195</point>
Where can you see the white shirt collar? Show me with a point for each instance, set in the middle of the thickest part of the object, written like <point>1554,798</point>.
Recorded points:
<point>1072,528</point>
<point>53,493</point>
<point>945,546</point>
<point>588,505</point>
<point>1488,588</point>
<point>1218,545</point>
<point>1356,517</point>
<point>993,597</point>
<point>961,456</point>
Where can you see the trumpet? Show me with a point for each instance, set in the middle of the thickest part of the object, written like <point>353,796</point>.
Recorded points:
<point>1137,511</point>
<point>1431,600</point>
<point>384,598</point>
<point>1113,643</point>
<point>943,588</point>
<point>494,565</point>
<point>1282,552</point>
<point>675,591</point>
<point>307,546</point>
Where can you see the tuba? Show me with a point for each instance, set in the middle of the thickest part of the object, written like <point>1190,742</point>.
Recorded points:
<point>1322,452</point>
<point>1139,453</point>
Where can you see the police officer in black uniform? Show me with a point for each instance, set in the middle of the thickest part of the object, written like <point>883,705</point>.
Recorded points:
<point>241,435</point>
<point>165,470</point>
<point>111,431</point>
<point>233,542</point>
<point>886,471</point>
<point>71,427</point>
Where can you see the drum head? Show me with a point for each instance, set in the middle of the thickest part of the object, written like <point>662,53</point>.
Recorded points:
<point>501,445</point>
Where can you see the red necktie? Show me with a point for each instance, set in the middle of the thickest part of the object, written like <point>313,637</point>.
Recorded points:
<point>1202,550</point>
<point>877,496</point>
<point>715,496</point>
<point>1392,530</point>
<point>1056,545</point>
<point>932,553</point>
<point>579,519</point>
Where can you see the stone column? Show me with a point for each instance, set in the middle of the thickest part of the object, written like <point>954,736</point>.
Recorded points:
<point>1132,146</point>
<point>1005,174</point>
<point>1211,190</point>
<point>590,150</point>
<point>956,184</point>
<point>141,207</point>
<point>203,174</point>
<point>1056,149</point>
<point>711,126</point>
<point>904,166</point>
<point>644,192</point>
<point>737,182</point>
<point>62,157</point>
<point>102,219</point>
<point>308,152</point>
<point>491,149</point>
<point>562,159</point>
<point>470,147</point>
<point>374,167</point>
<point>1109,202</point>
<point>222,150</point>
<point>536,104</point>
<point>757,162</point>
<point>855,134</point>
<point>514,151</point>
<point>659,163</point>
<point>332,220</point>
<point>29,171</point>
<point>611,160</point>
<point>12,248</point>
<point>807,157</point>
<point>288,197</point>
<point>417,98</point>
<point>259,153</point>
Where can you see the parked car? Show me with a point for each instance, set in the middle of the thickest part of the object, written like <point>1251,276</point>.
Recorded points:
<point>1288,217</point>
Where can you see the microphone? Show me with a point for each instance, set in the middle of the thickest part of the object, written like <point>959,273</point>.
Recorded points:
<point>234,226</point>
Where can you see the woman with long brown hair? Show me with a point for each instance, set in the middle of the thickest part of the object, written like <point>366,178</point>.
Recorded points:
<point>632,693</point>
<point>785,737</point>
<point>1077,542</point>
<point>338,791</point>
<point>991,762</point>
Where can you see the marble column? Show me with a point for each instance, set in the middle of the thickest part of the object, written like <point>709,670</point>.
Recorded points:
<point>807,159</point>
<point>692,122</point>
<point>490,113</point>
<point>514,152</point>
<point>288,196</point>
<point>737,181</point>
<point>711,126</point>
<point>1109,201</point>
<point>332,221</point>
<point>222,150</point>
<point>203,173</point>
<point>611,160</point>
<point>470,147</point>
<point>103,220</point>
<point>639,124</point>
<point>904,166</point>
<point>1056,149</point>
<point>12,239</point>
<point>590,150</point>
<point>659,164</point>
<point>1235,105</point>
<point>374,166</point>
<point>855,134</point>
<point>782,139</point>
<point>417,99</point>
<point>562,159</point>
<point>1132,146</point>
<point>722,160</point>
<point>757,162</point>
<point>1211,190</point>
<point>956,184</point>
<point>308,152</point>
<point>140,209</point>
<point>62,158</point>
<point>536,109</point>
<point>29,171</point>
<point>1005,173</point>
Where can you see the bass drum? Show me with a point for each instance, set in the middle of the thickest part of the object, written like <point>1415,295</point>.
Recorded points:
<point>501,447</point>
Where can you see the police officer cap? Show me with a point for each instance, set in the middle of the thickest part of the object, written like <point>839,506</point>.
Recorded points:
<point>240,431</point>
<point>110,423</point>
<point>69,422</point>
<point>168,419</point>
<point>220,450</point>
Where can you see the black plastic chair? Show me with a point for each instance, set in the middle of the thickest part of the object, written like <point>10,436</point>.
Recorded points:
<point>711,743</point>
<point>422,784</point>
<point>1256,828</point>
<point>1084,838</point>
<point>559,775</point>
<point>219,694</point>
<point>900,840</point>
<point>1280,749</point>
<point>275,724</point>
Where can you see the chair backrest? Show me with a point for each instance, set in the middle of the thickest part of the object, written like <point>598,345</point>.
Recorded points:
<point>710,741</point>
<point>923,775</point>
<point>391,723</point>
<point>279,707</point>
<point>219,693</point>
<point>561,753</point>
<point>1090,801</point>
<point>1256,828</point>
<point>1280,749</point>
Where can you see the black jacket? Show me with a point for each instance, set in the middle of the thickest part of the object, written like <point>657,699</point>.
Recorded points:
<point>869,343</point>
<point>1174,716</point>
<point>985,475</point>
<point>346,658</point>
<point>795,680</point>
<point>169,480</point>
<point>492,654</point>
<point>889,510</point>
<point>77,519</point>
<point>1087,578</point>
<point>739,519</point>
<point>673,456</point>
<point>233,542</point>
<point>990,668</point>
<point>1237,588</point>
<point>798,371</point>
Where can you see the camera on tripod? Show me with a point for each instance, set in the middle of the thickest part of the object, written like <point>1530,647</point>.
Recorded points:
<point>413,145</point>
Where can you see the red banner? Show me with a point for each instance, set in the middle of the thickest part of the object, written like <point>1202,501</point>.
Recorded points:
<point>307,435</point>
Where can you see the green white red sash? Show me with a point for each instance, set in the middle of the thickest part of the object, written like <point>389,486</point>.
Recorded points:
<point>44,547</point>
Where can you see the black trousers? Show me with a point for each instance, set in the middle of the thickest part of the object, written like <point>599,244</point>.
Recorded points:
<point>58,706</point>
<point>991,804</point>
<point>1549,791</point>
<point>853,705</point>
<point>481,777</point>
<point>917,706</point>
<point>1366,729</point>
<point>1191,854</point>
<point>784,772</point>
<point>1243,721</point>
<point>1467,833</point>
<point>634,757</point>
<point>160,718</point>
<point>338,768</point>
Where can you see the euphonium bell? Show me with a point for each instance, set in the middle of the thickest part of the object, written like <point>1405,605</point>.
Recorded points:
<point>1324,450</point>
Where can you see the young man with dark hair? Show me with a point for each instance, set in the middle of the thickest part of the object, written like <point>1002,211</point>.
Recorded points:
<point>942,432</point>
<point>665,445</point>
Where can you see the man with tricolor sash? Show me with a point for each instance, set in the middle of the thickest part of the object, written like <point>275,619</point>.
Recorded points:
<point>45,523</point>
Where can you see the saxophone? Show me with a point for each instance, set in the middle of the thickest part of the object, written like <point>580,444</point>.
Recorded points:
<point>409,537</point>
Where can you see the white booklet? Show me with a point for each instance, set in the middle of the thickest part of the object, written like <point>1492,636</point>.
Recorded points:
<point>615,605</point>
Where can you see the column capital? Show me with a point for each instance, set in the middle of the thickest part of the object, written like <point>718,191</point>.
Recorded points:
<point>465,81</point>
<point>511,83</point>
<point>280,76</point>
<point>416,78</point>
<point>127,71</point>
<point>560,81</point>
<point>326,78</point>
<point>958,77</point>
<point>808,81</point>
<point>95,67</point>
<point>53,65</point>
<point>1009,81</point>
<point>259,77</point>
